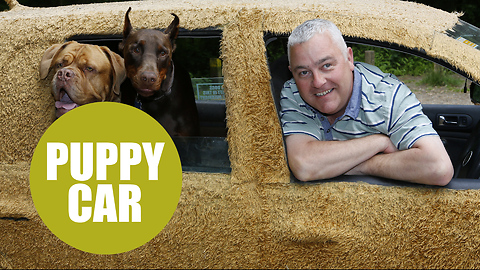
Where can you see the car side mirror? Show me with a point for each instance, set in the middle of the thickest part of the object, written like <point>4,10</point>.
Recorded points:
<point>475,93</point>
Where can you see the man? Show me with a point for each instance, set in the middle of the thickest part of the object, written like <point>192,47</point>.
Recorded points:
<point>341,117</point>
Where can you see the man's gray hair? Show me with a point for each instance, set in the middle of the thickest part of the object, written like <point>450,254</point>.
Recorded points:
<point>308,29</point>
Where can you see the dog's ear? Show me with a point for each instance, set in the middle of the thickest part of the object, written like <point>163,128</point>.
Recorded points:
<point>119,72</point>
<point>48,56</point>
<point>127,29</point>
<point>172,30</point>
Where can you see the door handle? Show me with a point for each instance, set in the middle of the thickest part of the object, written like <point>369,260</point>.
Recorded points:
<point>454,120</point>
<point>451,121</point>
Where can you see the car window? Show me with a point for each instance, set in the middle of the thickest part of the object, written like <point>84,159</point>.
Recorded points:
<point>439,88</point>
<point>201,57</point>
<point>429,81</point>
<point>198,52</point>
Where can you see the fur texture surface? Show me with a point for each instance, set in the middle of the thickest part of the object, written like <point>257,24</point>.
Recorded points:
<point>253,217</point>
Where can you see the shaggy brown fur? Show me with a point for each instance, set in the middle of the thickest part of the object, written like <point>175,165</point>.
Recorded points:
<point>253,218</point>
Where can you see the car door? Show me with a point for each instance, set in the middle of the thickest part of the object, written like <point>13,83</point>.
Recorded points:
<point>455,125</point>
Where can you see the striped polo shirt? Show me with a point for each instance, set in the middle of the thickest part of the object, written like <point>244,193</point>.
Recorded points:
<point>380,104</point>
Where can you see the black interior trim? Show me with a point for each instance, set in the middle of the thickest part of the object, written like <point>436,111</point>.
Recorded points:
<point>456,183</point>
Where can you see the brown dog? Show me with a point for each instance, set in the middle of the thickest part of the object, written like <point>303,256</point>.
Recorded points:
<point>84,74</point>
<point>157,86</point>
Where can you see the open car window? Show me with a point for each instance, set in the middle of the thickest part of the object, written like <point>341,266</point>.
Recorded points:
<point>450,109</point>
<point>198,52</point>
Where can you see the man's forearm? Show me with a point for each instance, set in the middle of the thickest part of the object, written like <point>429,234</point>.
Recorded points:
<point>315,160</point>
<point>428,163</point>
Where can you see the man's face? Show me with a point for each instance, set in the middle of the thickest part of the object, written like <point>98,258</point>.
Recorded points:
<point>323,76</point>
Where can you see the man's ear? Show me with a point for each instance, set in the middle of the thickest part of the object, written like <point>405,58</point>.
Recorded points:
<point>127,29</point>
<point>350,57</point>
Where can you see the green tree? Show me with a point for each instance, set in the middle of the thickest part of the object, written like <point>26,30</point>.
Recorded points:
<point>54,3</point>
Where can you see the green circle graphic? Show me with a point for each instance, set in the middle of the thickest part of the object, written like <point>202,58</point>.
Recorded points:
<point>101,181</point>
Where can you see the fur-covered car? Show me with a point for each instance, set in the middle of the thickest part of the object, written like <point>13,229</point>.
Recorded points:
<point>241,207</point>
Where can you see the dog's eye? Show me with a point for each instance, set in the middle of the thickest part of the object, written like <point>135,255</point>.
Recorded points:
<point>59,65</point>
<point>89,69</point>
<point>163,53</point>
<point>136,50</point>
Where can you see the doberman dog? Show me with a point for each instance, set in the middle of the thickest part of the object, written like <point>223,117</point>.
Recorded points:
<point>157,86</point>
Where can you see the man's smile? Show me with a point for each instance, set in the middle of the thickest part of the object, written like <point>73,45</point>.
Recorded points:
<point>323,93</point>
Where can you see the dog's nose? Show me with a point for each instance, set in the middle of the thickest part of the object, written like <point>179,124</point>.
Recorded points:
<point>65,74</point>
<point>149,77</point>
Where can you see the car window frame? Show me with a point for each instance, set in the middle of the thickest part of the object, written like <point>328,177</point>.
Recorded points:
<point>201,143</point>
<point>459,183</point>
